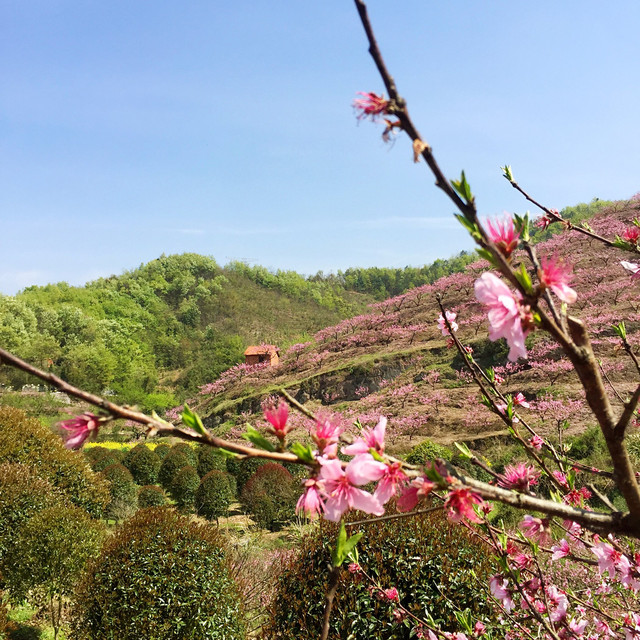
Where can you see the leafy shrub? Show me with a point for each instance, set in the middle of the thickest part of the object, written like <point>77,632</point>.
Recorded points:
<point>143,464</point>
<point>124,495</point>
<point>101,462</point>
<point>587,443</point>
<point>26,440</point>
<point>426,451</point>
<point>209,460</point>
<point>188,451</point>
<point>184,486</point>
<point>270,496</point>
<point>214,495</point>
<point>162,450</point>
<point>435,566</point>
<point>172,463</point>
<point>151,496</point>
<point>54,545</point>
<point>244,469</point>
<point>159,577</point>
<point>22,494</point>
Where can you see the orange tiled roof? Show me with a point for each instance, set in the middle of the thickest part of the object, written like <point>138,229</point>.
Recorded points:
<point>261,349</point>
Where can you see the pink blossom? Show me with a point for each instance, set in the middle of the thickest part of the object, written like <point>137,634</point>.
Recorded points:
<point>327,431</point>
<point>561,478</point>
<point>371,439</point>
<point>543,222</point>
<point>419,488</point>
<point>371,105</point>
<point>558,603</point>
<point>535,528</point>
<point>310,501</point>
<point>520,401</point>
<point>391,594</point>
<point>578,626</point>
<point>560,550</point>
<point>506,313</point>
<point>393,478</point>
<point>451,316</point>
<point>503,234</point>
<point>459,505</point>
<point>80,429</point>
<point>354,567</point>
<point>555,275</point>
<point>479,628</point>
<point>632,267</point>
<point>536,442</point>
<point>339,487</point>
<point>277,417</point>
<point>498,587</point>
<point>519,477</point>
<point>631,235</point>
<point>608,558</point>
<point>577,497</point>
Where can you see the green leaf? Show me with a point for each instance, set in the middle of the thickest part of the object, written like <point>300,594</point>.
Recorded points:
<point>192,420</point>
<point>488,256</point>
<point>507,173</point>
<point>621,330</point>
<point>469,225</point>
<point>225,453</point>
<point>465,452</point>
<point>305,453</point>
<point>524,278</point>
<point>522,226</point>
<point>463,188</point>
<point>344,546</point>
<point>252,435</point>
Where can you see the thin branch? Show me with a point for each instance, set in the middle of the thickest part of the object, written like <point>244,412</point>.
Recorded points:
<point>627,414</point>
<point>395,516</point>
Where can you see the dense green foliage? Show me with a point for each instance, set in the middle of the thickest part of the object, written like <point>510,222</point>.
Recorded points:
<point>151,495</point>
<point>28,441</point>
<point>435,566</point>
<point>426,451</point>
<point>124,494</point>
<point>184,486</point>
<point>270,496</point>
<point>22,494</point>
<point>176,313</point>
<point>159,577</point>
<point>143,463</point>
<point>171,464</point>
<point>209,460</point>
<point>54,545</point>
<point>214,495</point>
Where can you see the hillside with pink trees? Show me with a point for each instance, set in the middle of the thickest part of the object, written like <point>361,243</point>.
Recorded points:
<point>395,360</point>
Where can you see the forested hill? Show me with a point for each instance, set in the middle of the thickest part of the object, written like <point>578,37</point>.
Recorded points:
<point>154,334</point>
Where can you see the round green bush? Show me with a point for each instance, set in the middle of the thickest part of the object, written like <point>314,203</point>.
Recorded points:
<point>209,460</point>
<point>162,450</point>
<point>245,469</point>
<point>184,487</point>
<point>270,496</point>
<point>436,566</point>
<point>427,451</point>
<point>172,463</point>
<point>27,440</point>
<point>100,463</point>
<point>54,545</point>
<point>160,576</point>
<point>93,453</point>
<point>151,495</point>
<point>124,494</point>
<point>188,451</point>
<point>143,464</point>
<point>22,494</point>
<point>214,495</point>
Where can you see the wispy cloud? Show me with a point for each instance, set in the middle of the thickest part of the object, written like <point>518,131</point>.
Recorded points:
<point>406,222</point>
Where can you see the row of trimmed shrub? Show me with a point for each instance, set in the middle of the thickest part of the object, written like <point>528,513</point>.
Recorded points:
<point>198,480</point>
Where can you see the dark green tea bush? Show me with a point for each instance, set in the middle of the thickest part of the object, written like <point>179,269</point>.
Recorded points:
<point>161,576</point>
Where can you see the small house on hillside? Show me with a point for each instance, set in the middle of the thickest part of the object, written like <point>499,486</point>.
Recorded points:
<point>262,353</point>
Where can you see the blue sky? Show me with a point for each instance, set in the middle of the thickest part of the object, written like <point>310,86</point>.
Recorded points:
<point>131,129</point>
